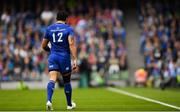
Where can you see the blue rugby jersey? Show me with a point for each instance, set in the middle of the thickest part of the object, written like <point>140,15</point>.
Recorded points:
<point>58,34</point>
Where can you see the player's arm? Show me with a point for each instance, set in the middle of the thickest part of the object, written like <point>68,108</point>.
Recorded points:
<point>73,50</point>
<point>44,45</point>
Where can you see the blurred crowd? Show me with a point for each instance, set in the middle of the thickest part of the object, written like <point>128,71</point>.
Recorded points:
<point>160,41</point>
<point>99,33</point>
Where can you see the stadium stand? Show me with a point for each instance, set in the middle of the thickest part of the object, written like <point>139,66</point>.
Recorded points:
<point>160,41</point>
<point>100,37</point>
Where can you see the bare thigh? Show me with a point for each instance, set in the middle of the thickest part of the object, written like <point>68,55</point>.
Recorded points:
<point>54,75</point>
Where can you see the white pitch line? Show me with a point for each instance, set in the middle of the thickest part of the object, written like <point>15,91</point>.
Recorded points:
<point>141,97</point>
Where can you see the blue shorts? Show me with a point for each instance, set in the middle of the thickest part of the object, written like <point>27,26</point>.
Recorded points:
<point>60,63</point>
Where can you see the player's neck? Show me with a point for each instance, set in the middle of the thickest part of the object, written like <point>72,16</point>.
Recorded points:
<point>62,22</point>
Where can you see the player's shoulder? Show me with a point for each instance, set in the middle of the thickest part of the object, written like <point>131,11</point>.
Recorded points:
<point>69,27</point>
<point>51,26</point>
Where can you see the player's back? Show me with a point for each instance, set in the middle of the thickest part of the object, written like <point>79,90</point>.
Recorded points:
<point>58,34</point>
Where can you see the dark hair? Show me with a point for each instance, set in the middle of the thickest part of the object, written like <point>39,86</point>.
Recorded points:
<point>62,15</point>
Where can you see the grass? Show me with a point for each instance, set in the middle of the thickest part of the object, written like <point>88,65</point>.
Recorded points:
<point>93,99</point>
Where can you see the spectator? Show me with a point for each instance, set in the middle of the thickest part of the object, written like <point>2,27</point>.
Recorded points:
<point>99,33</point>
<point>159,39</point>
<point>140,77</point>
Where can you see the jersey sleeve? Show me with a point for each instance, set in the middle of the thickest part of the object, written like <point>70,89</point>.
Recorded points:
<point>71,32</point>
<point>46,36</point>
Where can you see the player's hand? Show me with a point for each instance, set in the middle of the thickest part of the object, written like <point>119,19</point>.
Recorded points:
<point>74,64</point>
<point>75,67</point>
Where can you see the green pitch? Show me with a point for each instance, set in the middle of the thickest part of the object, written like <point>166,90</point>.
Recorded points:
<point>99,99</point>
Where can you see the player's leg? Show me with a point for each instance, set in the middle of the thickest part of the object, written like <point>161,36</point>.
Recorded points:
<point>51,84</point>
<point>50,88</point>
<point>68,91</point>
<point>65,67</point>
<point>53,74</point>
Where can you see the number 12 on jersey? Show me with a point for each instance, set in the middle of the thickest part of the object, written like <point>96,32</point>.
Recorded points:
<point>59,36</point>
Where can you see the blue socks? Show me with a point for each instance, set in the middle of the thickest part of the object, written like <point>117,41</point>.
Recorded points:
<point>50,90</point>
<point>68,92</point>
